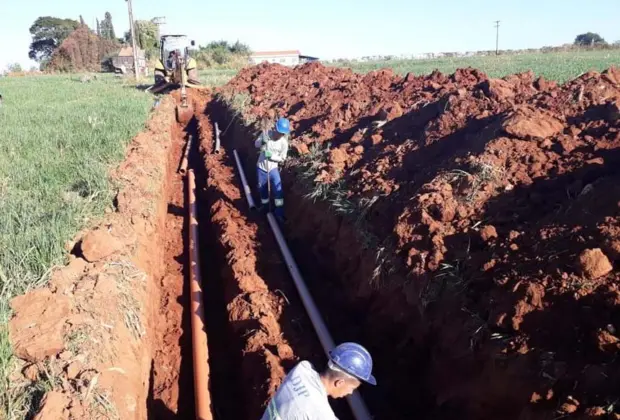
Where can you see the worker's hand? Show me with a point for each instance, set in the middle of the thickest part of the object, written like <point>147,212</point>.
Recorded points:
<point>268,154</point>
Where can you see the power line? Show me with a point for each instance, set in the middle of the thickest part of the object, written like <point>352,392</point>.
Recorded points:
<point>497,37</point>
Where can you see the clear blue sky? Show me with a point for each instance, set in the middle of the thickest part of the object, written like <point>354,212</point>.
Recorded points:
<point>335,28</point>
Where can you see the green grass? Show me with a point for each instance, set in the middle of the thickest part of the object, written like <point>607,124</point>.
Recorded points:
<point>558,66</point>
<point>216,77</point>
<point>58,139</point>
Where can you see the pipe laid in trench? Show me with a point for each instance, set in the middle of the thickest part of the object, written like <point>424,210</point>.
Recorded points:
<point>184,161</point>
<point>358,407</point>
<point>244,181</point>
<point>217,138</point>
<point>200,355</point>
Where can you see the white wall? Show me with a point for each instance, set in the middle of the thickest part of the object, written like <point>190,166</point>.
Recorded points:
<point>285,60</point>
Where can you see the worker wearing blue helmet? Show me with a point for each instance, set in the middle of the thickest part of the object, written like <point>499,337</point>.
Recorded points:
<point>273,145</point>
<point>303,395</point>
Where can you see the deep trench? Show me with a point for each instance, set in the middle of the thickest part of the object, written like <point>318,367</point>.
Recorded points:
<point>224,350</point>
<point>401,362</point>
<point>228,386</point>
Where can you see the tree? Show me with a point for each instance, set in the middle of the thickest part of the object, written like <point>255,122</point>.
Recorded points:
<point>47,35</point>
<point>98,28</point>
<point>147,37</point>
<point>82,21</point>
<point>14,68</point>
<point>589,38</point>
<point>222,53</point>
<point>82,51</point>
<point>107,28</point>
<point>240,48</point>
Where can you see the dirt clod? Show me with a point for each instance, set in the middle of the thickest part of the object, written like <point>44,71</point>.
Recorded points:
<point>612,249</point>
<point>37,328</point>
<point>488,233</point>
<point>73,369</point>
<point>31,372</point>
<point>593,263</point>
<point>99,244</point>
<point>527,123</point>
<point>53,406</point>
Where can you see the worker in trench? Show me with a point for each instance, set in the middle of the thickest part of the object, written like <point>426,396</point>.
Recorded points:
<point>273,145</point>
<point>304,392</point>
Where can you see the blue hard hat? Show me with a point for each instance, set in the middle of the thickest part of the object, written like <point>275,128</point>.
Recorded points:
<point>354,360</point>
<point>283,126</point>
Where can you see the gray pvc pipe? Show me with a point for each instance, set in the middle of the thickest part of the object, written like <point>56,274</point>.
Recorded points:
<point>244,181</point>
<point>358,407</point>
<point>217,138</point>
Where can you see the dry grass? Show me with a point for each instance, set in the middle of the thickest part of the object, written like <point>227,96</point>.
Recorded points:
<point>130,280</point>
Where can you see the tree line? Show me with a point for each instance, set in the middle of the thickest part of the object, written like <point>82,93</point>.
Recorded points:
<point>70,45</point>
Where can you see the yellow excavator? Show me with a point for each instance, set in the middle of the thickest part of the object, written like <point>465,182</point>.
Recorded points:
<point>176,69</point>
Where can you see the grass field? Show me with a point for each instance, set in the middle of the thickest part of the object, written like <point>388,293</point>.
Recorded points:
<point>216,77</point>
<point>58,139</point>
<point>558,66</point>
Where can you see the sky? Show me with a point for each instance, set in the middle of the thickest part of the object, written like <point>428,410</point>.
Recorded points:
<point>334,28</point>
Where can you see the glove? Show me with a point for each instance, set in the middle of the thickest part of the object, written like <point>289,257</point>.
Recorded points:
<point>268,154</point>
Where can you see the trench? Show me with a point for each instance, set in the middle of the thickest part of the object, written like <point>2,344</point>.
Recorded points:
<point>255,323</point>
<point>256,326</point>
<point>328,253</point>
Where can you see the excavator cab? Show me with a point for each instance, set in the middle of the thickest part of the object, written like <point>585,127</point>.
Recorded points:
<point>175,68</point>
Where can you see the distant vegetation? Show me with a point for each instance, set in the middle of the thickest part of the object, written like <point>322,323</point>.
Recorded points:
<point>83,50</point>
<point>558,66</point>
<point>147,37</point>
<point>589,39</point>
<point>67,45</point>
<point>221,54</point>
<point>47,35</point>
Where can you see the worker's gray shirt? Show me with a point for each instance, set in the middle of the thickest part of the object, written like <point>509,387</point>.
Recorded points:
<point>278,149</point>
<point>301,396</point>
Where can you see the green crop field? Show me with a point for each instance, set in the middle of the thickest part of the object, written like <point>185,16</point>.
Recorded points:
<point>558,66</point>
<point>58,139</point>
<point>216,77</point>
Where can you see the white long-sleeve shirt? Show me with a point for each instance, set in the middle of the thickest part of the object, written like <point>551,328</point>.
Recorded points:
<point>278,149</point>
<point>302,396</point>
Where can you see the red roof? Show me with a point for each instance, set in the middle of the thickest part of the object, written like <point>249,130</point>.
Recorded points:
<point>128,52</point>
<point>268,53</point>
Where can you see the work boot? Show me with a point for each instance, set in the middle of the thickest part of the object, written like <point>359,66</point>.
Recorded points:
<point>263,208</point>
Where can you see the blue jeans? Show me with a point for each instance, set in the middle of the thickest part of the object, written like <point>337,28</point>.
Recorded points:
<point>276,189</point>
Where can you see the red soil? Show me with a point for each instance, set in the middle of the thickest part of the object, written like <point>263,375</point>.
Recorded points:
<point>500,199</point>
<point>172,386</point>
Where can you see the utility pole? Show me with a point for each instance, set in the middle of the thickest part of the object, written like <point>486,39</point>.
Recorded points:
<point>497,37</point>
<point>133,40</point>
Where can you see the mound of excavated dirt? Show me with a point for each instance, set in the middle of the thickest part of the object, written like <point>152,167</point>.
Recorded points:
<point>502,199</point>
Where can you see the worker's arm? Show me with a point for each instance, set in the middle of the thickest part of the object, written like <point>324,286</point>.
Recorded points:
<point>280,155</point>
<point>258,143</point>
